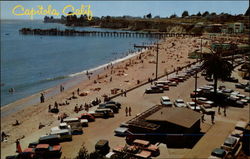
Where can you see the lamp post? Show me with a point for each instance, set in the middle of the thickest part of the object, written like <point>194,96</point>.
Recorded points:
<point>195,81</point>
<point>156,69</point>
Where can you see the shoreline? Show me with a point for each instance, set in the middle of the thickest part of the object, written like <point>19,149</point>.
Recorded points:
<point>126,74</point>
<point>72,80</point>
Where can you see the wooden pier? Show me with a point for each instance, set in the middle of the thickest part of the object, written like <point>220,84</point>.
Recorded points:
<point>72,32</point>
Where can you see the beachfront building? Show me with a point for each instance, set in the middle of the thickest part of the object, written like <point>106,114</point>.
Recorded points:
<point>176,127</point>
<point>233,28</point>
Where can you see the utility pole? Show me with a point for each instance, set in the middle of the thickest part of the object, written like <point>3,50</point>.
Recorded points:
<point>156,69</point>
<point>195,85</point>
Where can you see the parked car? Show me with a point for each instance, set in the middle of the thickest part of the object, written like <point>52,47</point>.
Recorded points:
<point>202,101</point>
<point>154,89</point>
<point>82,122</point>
<point>103,113</point>
<point>49,139</point>
<point>239,129</point>
<point>179,103</point>
<point>173,83</point>
<point>166,101</point>
<point>113,107</point>
<point>76,128</point>
<point>61,127</point>
<point>197,91</point>
<point>115,103</point>
<point>87,116</point>
<point>47,151</point>
<point>240,85</point>
<point>121,131</point>
<point>227,91</point>
<point>231,79</point>
<point>234,102</point>
<point>102,146</point>
<point>162,82</point>
<point>247,89</point>
<point>65,134</point>
<point>191,105</point>
<point>164,87</point>
<point>218,153</point>
<point>174,80</point>
<point>231,144</point>
<point>145,145</point>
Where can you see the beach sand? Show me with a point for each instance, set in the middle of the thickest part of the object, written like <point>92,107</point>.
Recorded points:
<point>125,75</point>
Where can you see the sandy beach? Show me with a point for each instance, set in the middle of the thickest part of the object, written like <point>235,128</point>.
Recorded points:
<point>125,74</point>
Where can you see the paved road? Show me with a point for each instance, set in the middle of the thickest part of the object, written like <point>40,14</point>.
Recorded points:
<point>139,102</point>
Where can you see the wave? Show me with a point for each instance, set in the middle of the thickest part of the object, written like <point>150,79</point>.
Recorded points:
<point>53,79</point>
<point>72,75</point>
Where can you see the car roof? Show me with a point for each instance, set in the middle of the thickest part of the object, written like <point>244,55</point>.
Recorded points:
<point>42,146</point>
<point>60,131</point>
<point>165,97</point>
<point>63,124</point>
<point>179,100</point>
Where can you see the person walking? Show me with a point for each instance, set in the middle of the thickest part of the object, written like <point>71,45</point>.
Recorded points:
<point>122,92</point>
<point>56,105</point>
<point>126,111</point>
<point>212,118</point>
<point>49,108</point>
<point>129,111</point>
<point>42,98</point>
<point>219,109</point>
<point>125,93</point>
<point>61,88</point>
<point>78,91</point>
<point>225,113</point>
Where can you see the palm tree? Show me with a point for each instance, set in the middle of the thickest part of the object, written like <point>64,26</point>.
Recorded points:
<point>217,67</point>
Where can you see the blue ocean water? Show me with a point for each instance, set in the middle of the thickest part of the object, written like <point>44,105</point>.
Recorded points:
<point>30,64</point>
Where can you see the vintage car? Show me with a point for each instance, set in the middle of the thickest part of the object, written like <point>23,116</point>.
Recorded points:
<point>65,134</point>
<point>202,100</point>
<point>121,131</point>
<point>102,146</point>
<point>49,139</point>
<point>166,101</point>
<point>164,87</point>
<point>179,103</point>
<point>47,151</point>
<point>113,107</point>
<point>218,153</point>
<point>154,89</point>
<point>87,116</point>
<point>115,103</point>
<point>191,105</point>
<point>239,129</point>
<point>231,144</point>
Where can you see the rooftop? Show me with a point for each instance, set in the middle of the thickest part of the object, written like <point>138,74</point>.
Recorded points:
<point>180,116</point>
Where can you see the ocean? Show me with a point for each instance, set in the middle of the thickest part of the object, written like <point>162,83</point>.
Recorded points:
<point>32,63</point>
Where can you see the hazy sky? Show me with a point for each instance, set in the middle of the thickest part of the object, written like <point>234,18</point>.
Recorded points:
<point>133,8</point>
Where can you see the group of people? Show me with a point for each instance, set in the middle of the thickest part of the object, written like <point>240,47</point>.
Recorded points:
<point>124,93</point>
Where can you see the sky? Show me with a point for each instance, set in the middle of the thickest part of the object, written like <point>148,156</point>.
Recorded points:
<point>132,8</point>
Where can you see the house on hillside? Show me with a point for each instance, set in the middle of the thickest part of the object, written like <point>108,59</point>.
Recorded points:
<point>233,28</point>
